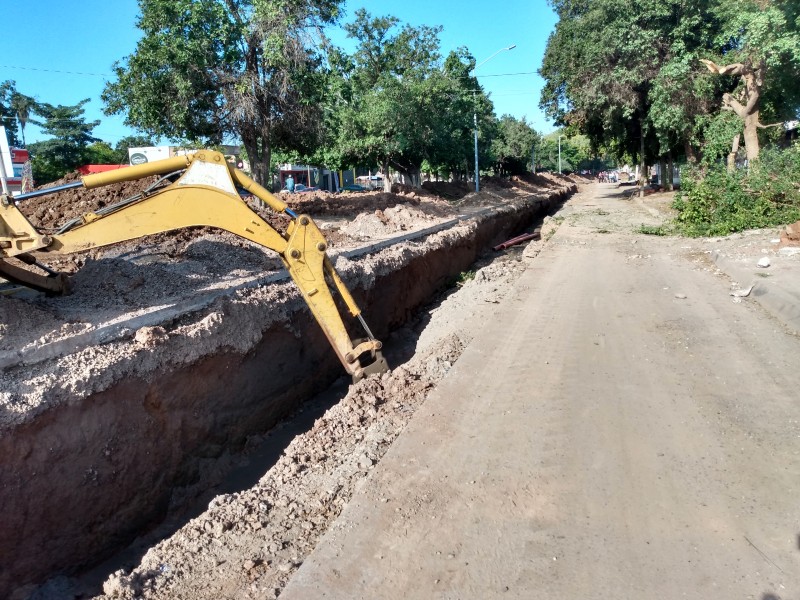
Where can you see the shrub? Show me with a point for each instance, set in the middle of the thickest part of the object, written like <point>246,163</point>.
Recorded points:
<point>719,202</point>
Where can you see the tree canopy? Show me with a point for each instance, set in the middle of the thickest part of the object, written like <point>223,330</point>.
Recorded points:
<point>205,70</point>
<point>514,145</point>
<point>8,114</point>
<point>398,104</point>
<point>629,75</point>
<point>68,146</point>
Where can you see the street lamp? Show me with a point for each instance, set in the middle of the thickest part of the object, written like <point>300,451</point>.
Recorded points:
<point>475,115</point>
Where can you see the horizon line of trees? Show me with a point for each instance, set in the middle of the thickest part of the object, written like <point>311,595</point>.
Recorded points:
<point>627,81</point>
<point>265,73</point>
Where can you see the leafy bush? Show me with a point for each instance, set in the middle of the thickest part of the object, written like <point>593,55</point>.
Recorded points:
<point>719,202</point>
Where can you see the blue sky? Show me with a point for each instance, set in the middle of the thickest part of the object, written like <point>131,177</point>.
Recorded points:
<point>61,55</point>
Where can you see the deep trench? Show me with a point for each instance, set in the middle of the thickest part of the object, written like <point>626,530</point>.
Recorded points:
<point>169,443</point>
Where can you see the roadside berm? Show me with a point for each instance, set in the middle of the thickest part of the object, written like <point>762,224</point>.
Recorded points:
<point>118,402</point>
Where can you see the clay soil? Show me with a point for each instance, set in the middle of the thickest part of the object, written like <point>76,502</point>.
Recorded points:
<point>247,544</point>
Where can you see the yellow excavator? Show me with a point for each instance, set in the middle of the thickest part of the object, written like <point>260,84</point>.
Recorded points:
<point>199,189</point>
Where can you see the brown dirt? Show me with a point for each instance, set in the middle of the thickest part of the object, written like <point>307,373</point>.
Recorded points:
<point>790,236</point>
<point>146,308</point>
<point>249,544</point>
<point>51,211</point>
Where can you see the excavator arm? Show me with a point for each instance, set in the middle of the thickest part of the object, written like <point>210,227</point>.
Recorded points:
<point>204,195</point>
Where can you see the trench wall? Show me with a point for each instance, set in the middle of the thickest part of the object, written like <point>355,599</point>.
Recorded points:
<point>80,481</point>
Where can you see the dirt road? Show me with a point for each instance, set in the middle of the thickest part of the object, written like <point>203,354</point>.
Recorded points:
<point>620,428</point>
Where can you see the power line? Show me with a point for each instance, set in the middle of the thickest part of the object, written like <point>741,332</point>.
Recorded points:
<point>54,71</point>
<point>508,74</point>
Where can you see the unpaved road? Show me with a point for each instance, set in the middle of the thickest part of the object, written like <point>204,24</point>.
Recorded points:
<point>619,428</point>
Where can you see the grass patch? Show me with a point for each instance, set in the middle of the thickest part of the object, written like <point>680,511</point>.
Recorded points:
<point>464,277</point>
<point>659,230</point>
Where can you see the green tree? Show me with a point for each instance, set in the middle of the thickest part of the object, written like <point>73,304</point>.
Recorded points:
<point>513,145</point>
<point>379,113</point>
<point>574,152</point>
<point>399,105</point>
<point>22,106</point>
<point>101,153</point>
<point>598,67</point>
<point>130,141</point>
<point>626,73</point>
<point>68,147</point>
<point>8,115</point>
<point>759,46</point>
<point>460,97</point>
<point>208,69</point>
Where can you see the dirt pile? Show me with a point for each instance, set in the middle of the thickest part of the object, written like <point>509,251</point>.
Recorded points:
<point>53,210</point>
<point>322,203</point>
<point>448,190</point>
<point>385,223</point>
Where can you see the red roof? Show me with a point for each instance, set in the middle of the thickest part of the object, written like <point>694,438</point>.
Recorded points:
<point>89,169</point>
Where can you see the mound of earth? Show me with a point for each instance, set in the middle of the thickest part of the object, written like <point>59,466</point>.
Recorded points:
<point>52,211</point>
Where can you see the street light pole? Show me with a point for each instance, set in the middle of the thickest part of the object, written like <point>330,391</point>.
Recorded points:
<point>477,177</point>
<point>475,116</point>
<point>559,155</point>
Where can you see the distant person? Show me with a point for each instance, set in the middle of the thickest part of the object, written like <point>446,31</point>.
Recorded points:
<point>290,184</point>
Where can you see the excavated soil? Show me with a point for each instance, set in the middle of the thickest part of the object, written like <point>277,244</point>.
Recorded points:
<point>119,403</point>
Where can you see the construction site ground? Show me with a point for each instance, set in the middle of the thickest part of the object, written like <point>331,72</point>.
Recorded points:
<point>600,413</point>
<point>621,426</point>
<point>124,405</point>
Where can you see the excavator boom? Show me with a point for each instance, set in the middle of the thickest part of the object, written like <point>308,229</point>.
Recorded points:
<point>205,194</point>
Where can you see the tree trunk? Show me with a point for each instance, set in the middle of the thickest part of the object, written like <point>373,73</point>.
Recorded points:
<point>746,104</point>
<point>670,173</point>
<point>733,153</point>
<point>259,154</point>
<point>387,180</point>
<point>691,155</point>
<point>260,169</point>
<point>417,179</point>
<point>751,136</point>
<point>642,174</point>
<point>662,173</point>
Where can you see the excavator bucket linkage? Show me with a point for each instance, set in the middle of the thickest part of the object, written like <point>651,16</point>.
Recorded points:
<point>203,194</point>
